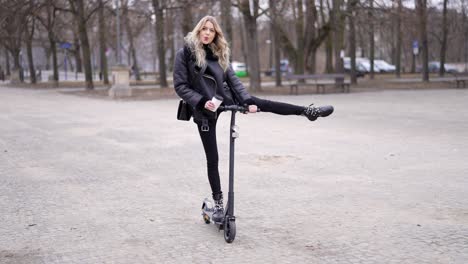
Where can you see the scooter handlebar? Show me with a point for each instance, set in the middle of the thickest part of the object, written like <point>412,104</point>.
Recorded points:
<point>235,108</point>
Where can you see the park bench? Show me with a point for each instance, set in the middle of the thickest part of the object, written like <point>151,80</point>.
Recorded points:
<point>319,80</point>
<point>461,78</point>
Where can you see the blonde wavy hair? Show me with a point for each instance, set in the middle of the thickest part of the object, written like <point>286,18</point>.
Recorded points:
<point>219,46</point>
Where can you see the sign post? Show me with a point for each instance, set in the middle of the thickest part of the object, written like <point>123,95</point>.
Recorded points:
<point>415,46</point>
<point>66,46</point>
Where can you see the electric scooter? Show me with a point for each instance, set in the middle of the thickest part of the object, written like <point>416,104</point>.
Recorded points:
<point>228,224</point>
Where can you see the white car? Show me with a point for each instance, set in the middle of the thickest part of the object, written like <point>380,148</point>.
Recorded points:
<point>360,69</point>
<point>362,64</point>
<point>384,66</point>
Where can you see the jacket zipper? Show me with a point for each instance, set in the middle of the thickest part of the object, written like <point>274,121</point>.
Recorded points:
<point>213,79</point>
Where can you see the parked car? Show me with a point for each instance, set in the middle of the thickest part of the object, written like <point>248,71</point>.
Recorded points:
<point>360,69</point>
<point>434,67</point>
<point>384,66</point>
<point>365,63</point>
<point>284,68</point>
<point>239,69</point>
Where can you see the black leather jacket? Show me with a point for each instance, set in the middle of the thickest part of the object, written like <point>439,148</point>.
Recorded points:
<point>196,87</point>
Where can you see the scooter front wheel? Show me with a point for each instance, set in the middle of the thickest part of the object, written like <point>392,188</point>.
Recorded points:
<point>229,230</point>
<point>206,218</point>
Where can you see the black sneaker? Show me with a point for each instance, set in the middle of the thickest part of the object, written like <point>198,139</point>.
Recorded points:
<point>218,213</point>
<point>312,112</point>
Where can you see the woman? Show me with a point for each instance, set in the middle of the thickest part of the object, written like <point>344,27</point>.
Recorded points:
<point>201,69</point>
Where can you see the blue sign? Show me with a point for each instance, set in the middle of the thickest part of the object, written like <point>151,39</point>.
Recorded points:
<point>415,47</point>
<point>65,45</point>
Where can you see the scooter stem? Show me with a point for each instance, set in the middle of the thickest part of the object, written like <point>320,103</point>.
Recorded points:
<point>232,136</point>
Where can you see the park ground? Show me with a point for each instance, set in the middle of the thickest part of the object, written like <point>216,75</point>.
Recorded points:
<point>87,179</point>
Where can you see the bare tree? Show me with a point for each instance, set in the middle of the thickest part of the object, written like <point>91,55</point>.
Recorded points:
<point>398,15</point>
<point>464,6</point>
<point>226,19</point>
<point>328,40</point>
<point>276,42</point>
<point>48,21</point>
<point>443,46</point>
<point>243,40</point>
<point>421,7</point>
<point>352,38</point>
<point>338,32</point>
<point>250,16</point>
<point>371,38</point>
<point>302,46</point>
<point>158,10</point>
<point>7,62</point>
<point>77,49</point>
<point>300,42</point>
<point>130,37</point>
<point>102,43</point>
<point>29,34</point>
<point>81,17</point>
<point>12,31</point>
<point>187,19</point>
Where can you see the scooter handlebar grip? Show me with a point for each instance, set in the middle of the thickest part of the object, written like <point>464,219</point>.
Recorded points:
<point>238,108</point>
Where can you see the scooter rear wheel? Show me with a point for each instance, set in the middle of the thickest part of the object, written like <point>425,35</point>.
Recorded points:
<point>229,230</point>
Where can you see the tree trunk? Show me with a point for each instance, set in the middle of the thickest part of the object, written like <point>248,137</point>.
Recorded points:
<point>421,6</point>
<point>299,69</point>
<point>328,40</point>
<point>53,49</point>
<point>7,63</point>
<point>170,38</point>
<point>338,28</point>
<point>465,37</point>
<point>398,40</point>
<point>83,34</point>
<point>252,46</point>
<point>51,36</point>
<point>77,52</point>
<point>16,59</point>
<point>226,19</point>
<point>132,51</point>
<point>329,54</point>
<point>371,38</point>
<point>102,44</point>
<point>310,35</point>
<point>172,51</point>
<point>352,39</point>
<point>243,37</point>
<point>158,9</point>
<point>47,54</point>
<point>70,63</point>
<point>28,40</point>
<point>443,45</point>
<point>275,43</point>
<point>187,21</point>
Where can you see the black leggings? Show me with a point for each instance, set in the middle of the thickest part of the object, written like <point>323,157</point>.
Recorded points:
<point>211,147</point>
